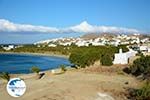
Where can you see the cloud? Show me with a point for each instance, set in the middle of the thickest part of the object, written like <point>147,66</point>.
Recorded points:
<point>87,28</point>
<point>84,27</point>
<point>7,26</point>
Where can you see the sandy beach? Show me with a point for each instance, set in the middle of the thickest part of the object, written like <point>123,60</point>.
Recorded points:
<point>72,85</point>
<point>38,54</point>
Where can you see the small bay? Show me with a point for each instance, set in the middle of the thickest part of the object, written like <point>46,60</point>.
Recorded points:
<point>22,63</point>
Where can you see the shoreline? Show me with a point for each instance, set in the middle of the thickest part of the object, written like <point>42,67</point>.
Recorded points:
<point>37,54</point>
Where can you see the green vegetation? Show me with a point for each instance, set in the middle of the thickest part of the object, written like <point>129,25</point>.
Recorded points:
<point>43,49</point>
<point>80,56</point>
<point>63,68</point>
<point>141,66</point>
<point>1,49</point>
<point>142,93</point>
<point>65,50</point>
<point>106,60</point>
<point>86,56</point>
<point>124,48</point>
<point>139,53</point>
<point>35,69</point>
<point>5,76</point>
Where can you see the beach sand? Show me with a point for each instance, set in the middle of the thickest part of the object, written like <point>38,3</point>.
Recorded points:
<point>72,85</point>
<point>38,54</point>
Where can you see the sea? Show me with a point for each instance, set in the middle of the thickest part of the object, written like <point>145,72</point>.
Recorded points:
<point>22,63</point>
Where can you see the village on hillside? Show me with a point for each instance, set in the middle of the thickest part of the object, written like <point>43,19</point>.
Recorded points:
<point>140,42</point>
<point>135,43</point>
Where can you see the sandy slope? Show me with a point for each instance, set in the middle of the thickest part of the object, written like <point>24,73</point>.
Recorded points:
<point>72,85</point>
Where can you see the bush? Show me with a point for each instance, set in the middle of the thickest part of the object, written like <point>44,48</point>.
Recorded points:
<point>35,69</point>
<point>5,76</point>
<point>63,68</point>
<point>123,47</point>
<point>144,92</point>
<point>106,60</point>
<point>139,53</point>
<point>141,66</point>
<point>141,94</point>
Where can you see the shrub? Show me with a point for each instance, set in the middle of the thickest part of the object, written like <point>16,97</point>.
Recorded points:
<point>5,76</point>
<point>141,94</point>
<point>106,60</point>
<point>139,53</point>
<point>141,66</point>
<point>63,68</point>
<point>35,69</point>
<point>123,47</point>
<point>144,92</point>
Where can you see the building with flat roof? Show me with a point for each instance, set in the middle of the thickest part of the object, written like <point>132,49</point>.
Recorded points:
<point>123,58</point>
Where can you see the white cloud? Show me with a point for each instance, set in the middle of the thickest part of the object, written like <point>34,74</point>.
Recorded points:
<point>84,27</point>
<point>8,26</point>
<point>87,28</point>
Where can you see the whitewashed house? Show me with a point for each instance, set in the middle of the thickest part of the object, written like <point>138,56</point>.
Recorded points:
<point>97,43</point>
<point>65,43</point>
<point>143,48</point>
<point>149,49</point>
<point>52,45</point>
<point>9,47</point>
<point>123,58</point>
<point>82,43</point>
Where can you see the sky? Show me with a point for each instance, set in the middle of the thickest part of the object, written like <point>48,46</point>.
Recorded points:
<point>29,21</point>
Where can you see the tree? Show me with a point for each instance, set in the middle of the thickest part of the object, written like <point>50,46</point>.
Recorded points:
<point>35,69</point>
<point>5,76</point>
<point>86,56</point>
<point>124,48</point>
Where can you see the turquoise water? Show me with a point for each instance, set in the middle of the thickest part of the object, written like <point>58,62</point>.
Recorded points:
<point>22,63</point>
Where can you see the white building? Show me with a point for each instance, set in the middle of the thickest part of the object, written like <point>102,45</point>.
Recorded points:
<point>52,45</point>
<point>123,58</point>
<point>82,43</point>
<point>66,43</point>
<point>149,49</point>
<point>97,43</point>
<point>143,48</point>
<point>9,47</point>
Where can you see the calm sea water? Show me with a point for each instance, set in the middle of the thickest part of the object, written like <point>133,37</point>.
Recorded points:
<point>22,63</point>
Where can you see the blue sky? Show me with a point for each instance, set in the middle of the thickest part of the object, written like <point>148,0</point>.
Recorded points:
<point>132,14</point>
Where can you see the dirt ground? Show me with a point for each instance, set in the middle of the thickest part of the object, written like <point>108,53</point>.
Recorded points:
<point>73,85</point>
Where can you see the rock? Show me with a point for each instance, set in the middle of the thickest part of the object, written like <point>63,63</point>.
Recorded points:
<point>56,71</point>
<point>104,96</point>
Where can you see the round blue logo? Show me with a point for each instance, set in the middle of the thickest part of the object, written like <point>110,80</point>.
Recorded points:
<point>16,87</point>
